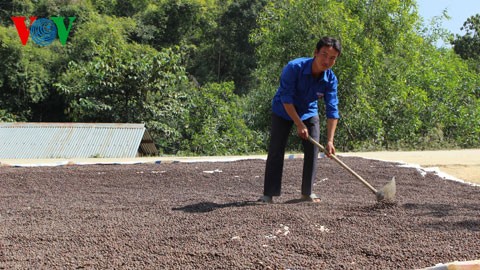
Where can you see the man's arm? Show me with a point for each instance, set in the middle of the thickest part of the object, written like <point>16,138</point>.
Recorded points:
<point>302,130</point>
<point>331,127</point>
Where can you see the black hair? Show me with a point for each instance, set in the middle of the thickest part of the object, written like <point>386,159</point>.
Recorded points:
<point>330,42</point>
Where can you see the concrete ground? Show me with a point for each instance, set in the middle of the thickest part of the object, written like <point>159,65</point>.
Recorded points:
<point>461,164</point>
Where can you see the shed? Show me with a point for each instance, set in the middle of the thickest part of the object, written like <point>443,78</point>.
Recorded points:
<point>74,140</point>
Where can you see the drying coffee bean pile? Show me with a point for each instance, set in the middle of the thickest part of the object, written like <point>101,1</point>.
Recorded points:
<point>205,216</point>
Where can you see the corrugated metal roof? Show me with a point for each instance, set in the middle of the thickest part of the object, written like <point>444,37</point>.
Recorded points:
<point>74,140</point>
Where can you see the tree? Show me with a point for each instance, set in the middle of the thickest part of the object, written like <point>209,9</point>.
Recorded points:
<point>224,53</point>
<point>128,8</point>
<point>468,45</point>
<point>215,127</point>
<point>168,24</point>
<point>112,80</point>
<point>27,74</point>
<point>10,8</point>
<point>130,84</point>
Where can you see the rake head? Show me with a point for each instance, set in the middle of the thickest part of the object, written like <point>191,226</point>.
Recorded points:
<point>387,192</point>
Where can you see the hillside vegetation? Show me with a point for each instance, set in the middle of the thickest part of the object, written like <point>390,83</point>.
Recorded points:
<point>201,73</point>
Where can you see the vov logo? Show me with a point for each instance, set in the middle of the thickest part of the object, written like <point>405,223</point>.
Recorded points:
<point>43,31</point>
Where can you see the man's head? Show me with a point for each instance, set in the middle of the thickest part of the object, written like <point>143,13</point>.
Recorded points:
<point>326,53</point>
<point>329,42</point>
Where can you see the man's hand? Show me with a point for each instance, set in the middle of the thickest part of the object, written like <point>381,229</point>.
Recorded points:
<point>302,131</point>
<point>331,126</point>
<point>330,149</point>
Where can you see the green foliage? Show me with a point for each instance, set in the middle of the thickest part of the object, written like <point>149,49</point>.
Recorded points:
<point>216,126</point>
<point>168,24</point>
<point>385,71</point>
<point>105,7</point>
<point>201,73</point>
<point>450,104</point>
<point>434,32</point>
<point>223,53</point>
<point>26,75</point>
<point>10,8</point>
<point>129,83</point>
<point>128,8</point>
<point>468,46</point>
<point>99,31</point>
<point>7,117</point>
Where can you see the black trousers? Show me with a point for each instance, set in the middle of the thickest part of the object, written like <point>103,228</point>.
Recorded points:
<point>280,130</point>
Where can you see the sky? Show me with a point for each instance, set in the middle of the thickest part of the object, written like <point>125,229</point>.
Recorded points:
<point>458,10</point>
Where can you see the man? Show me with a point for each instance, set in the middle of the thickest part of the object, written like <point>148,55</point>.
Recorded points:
<point>303,81</point>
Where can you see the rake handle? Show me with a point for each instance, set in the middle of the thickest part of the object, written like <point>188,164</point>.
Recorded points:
<point>343,165</point>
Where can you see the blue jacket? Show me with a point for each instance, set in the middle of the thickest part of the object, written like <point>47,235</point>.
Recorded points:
<point>300,88</point>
